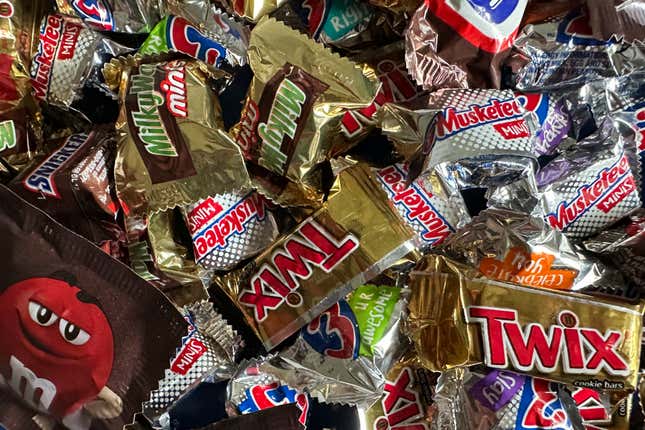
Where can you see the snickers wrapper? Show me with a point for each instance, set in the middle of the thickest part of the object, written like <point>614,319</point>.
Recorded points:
<point>457,320</point>
<point>352,238</point>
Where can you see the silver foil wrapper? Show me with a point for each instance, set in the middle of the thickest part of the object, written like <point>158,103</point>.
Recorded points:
<point>128,16</point>
<point>207,351</point>
<point>592,186</point>
<point>70,55</point>
<point>565,52</point>
<point>514,246</point>
<point>229,228</point>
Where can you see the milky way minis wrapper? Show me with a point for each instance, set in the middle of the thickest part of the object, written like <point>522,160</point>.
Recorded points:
<point>353,237</point>
<point>456,320</point>
<point>73,184</point>
<point>513,246</point>
<point>128,16</point>
<point>86,339</point>
<point>228,228</point>
<point>296,102</point>
<point>173,150</point>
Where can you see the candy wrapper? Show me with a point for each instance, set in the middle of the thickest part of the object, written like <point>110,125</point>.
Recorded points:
<point>513,246</point>
<point>457,44</point>
<point>20,118</point>
<point>69,56</point>
<point>170,136</point>
<point>623,245</point>
<point>155,255</point>
<point>296,103</point>
<point>252,389</point>
<point>222,41</point>
<point>593,185</point>
<point>460,124</point>
<point>456,320</point>
<point>341,352</point>
<point>208,350</point>
<point>73,184</point>
<point>229,228</point>
<point>70,309</point>
<point>563,52</point>
<point>321,260</point>
<point>552,118</point>
<point>128,16</point>
<point>491,399</point>
<point>407,400</point>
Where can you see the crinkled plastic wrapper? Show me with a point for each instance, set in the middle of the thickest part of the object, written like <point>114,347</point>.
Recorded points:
<point>127,16</point>
<point>562,53</point>
<point>353,237</point>
<point>297,99</point>
<point>454,44</point>
<point>513,246</point>
<point>457,319</point>
<point>170,136</point>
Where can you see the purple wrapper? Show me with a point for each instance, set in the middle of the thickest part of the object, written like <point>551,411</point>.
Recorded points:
<point>497,389</point>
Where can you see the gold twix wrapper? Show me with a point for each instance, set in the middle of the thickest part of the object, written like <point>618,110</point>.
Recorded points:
<point>570,338</point>
<point>297,99</point>
<point>352,238</point>
<point>173,150</point>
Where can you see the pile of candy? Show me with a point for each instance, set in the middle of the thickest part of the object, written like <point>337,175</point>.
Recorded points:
<point>322,214</point>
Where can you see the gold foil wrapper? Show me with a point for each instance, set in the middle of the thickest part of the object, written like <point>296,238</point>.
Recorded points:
<point>173,150</point>
<point>407,401</point>
<point>296,101</point>
<point>457,320</point>
<point>351,239</point>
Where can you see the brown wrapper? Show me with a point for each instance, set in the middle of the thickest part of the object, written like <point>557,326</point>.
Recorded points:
<point>85,339</point>
<point>407,400</point>
<point>296,102</point>
<point>172,150</point>
<point>352,238</point>
<point>456,320</point>
<point>73,183</point>
<point>398,6</point>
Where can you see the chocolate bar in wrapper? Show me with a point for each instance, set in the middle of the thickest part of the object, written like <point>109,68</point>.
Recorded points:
<point>407,399</point>
<point>128,16</point>
<point>86,338</point>
<point>229,228</point>
<point>170,137</point>
<point>457,320</point>
<point>67,57</point>
<point>513,246</point>
<point>353,237</point>
<point>457,44</point>
<point>296,103</point>
<point>73,184</point>
<point>564,52</point>
<point>593,185</point>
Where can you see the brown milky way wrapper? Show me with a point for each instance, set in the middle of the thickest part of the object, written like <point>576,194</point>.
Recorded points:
<point>457,319</point>
<point>73,184</point>
<point>172,148</point>
<point>85,339</point>
<point>352,238</point>
<point>297,99</point>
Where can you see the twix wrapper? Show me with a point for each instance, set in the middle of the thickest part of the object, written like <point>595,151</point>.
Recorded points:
<point>173,150</point>
<point>457,320</point>
<point>297,100</point>
<point>353,237</point>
